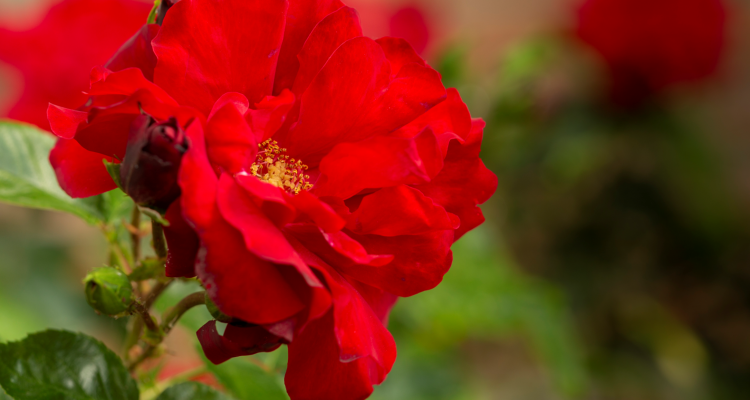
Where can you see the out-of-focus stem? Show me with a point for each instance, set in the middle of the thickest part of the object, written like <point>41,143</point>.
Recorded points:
<point>154,294</point>
<point>160,245</point>
<point>173,315</point>
<point>168,322</point>
<point>135,236</point>
<point>146,317</point>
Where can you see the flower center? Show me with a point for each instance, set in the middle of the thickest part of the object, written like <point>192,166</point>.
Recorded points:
<point>272,165</point>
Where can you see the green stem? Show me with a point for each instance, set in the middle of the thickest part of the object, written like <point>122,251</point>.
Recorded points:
<point>135,237</point>
<point>148,320</point>
<point>160,245</point>
<point>169,320</point>
<point>175,313</point>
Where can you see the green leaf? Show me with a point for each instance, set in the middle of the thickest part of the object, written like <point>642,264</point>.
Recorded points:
<point>4,396</point>
<point>114,171</point>
<point>192,391</point>
<point>54,365</point>
<point>248,381</point>
<point>27,179</point>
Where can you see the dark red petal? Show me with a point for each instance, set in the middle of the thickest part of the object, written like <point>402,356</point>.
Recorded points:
<point>182,243</point>
<point>350,248</point>
<point>241,284</point>
<point>379,300</point>
<point>464,182</point>
<point>399,210</point>
<point>207,48</point>
<point>81,173</point>
<point>344,353</point>
<point>315,371</point>
<point>328,35</point>
<point>450,116</point>
<point>108,135</point>
<point>353,98</point>
<point>137,52</point>
<point>271,201</point>
<point>377,162</point>
<point>270,114</point>
<point>64,122</point>
<point>335,248</point>
<point>230,142</point>
<point>301,18</point>
<point>262,237</point>
<point>318,211</point>
<point>419,263</point>
<point>237,341</point>
<point>126,82</point>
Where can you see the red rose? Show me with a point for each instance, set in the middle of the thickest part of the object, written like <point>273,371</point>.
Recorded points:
<point>55,56</point>
<point>326,174</point>
<point>650,45</point>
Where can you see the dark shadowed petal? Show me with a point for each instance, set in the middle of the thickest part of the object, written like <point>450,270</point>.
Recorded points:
<point>206,48</point>
<point>182,244</point>
<point>81,173</point>
<point>236,341</point>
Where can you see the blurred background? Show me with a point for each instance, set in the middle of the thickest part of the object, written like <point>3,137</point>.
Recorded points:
<point>615,261</point>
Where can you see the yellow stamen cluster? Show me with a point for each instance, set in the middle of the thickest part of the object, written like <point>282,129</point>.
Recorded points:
<point>272,165</point>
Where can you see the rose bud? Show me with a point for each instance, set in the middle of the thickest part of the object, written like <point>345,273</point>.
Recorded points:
<point>152,160</point>
<point>108,291</point>
<point>164,6</point>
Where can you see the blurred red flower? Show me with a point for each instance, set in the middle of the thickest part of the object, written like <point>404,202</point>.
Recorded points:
<point>326,175</point>
<point>55,56</point>
<point>650,45</point>
<point>407,20</point>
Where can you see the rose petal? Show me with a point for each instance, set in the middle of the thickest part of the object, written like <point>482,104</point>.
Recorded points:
<point>81,173</point>
<point>208,48</point>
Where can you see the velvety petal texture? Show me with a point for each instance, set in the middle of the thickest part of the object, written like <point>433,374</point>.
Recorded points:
<point>325,175</point>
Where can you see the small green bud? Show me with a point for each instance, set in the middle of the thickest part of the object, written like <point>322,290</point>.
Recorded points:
<point>215,312</point>
<point>108,291</point>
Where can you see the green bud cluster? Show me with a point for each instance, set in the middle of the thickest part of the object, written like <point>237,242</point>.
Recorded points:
<point>108,291</point>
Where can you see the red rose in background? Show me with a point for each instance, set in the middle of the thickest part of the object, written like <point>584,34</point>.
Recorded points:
<point>326,174</point>
<point>407,20</point>
<point>649,45</point>
<point>56,56</point>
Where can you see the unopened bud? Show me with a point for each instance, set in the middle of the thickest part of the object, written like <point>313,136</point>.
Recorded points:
<point>108,291</point>
<point>164,6</point>
<point>215,312</point>
<point>149,171</point>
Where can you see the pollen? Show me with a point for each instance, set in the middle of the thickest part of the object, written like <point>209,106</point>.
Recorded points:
<point>273,166</point>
